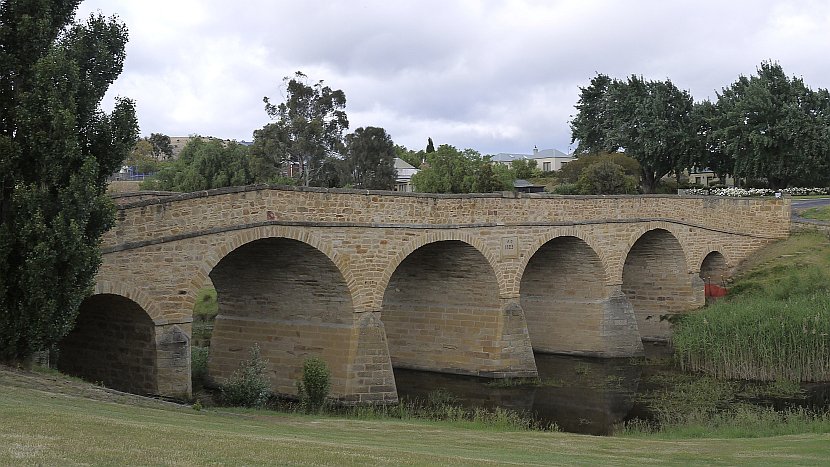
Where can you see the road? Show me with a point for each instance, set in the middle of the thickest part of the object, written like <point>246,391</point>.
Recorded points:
<point>802,204</point>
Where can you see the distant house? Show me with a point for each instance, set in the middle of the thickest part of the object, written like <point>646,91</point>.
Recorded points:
<point>547,160</point>
<point>404,173</point>
<point>706,177</point>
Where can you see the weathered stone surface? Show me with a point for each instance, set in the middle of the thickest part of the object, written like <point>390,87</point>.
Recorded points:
<point>458,283</point>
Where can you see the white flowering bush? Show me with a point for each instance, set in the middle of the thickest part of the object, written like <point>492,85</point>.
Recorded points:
<point>746,192</point>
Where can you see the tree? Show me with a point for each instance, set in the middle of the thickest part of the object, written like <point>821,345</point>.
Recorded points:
<point>606,178</point>
<point>774,127</point>
<point>308,126</point>
<point>430,146</point>
<point>162,148</point>
<point>524,168</point>
<point>570,172</point>
<point>58,148</point>
<point>204,164</point>
<point>448,170</point>
<point>415,159</point>
<point>141,157</point>
<point>370,159</point>
<point>590,125</point>
<point>651,121</point>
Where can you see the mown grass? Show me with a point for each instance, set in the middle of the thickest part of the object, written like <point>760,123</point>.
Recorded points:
<point>44,428</point>
<point>819,214</point>
<point>776,324</point>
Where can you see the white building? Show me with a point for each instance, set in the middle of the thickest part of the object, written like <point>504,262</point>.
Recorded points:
<point>404,173</point>
<point>547,160</point>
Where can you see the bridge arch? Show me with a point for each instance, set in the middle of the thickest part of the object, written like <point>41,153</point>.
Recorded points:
<point>113,342</point>
<point>433,237</point>
<point>601,253</point>
<point>714,264</point>
<point>243,237</point>
<point>142,299</point>
<point>675,230</point>
<point>441,309</point>
<point>657,280</point>
<point>288,297</point>
<point>563,289</point>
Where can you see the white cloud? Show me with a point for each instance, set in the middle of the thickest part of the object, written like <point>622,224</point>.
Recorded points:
<point>491,75</point>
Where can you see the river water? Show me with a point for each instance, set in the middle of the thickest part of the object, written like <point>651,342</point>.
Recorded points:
<point>579,394</point>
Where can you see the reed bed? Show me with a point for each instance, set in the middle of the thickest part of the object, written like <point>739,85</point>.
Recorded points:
<point>779,333</point>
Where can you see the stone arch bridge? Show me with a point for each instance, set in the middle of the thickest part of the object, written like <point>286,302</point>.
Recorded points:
<point>368,281</point>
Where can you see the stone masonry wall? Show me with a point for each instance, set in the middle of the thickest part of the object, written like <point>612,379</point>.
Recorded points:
<point>162,251</point>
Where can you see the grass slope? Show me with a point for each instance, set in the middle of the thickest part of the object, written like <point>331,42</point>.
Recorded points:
<point>52,421</point>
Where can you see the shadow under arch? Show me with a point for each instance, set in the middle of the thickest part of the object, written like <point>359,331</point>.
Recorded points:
<point>588,241</point>
<point>441,310</point>
<point>564,295</point>
<point>715,267</point>
<point>657,282</point>
<point>291,300</point>
<point>434,237</point>
<point>113,342</point>
<point>302,235</point>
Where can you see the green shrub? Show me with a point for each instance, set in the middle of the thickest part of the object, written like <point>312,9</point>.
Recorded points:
<point>315,385</point>
<point>566,189</point>
<point>248,386</point>
<point>606,178</point>
<point>198,365</point>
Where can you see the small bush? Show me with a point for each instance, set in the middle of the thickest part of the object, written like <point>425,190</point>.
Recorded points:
<point>248,386</point>
<point>566,189</point>
<point>198,364</point>
<point>314,389</point>
<point>606,178</point>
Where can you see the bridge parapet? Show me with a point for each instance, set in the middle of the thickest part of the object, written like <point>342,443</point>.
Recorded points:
<point>209,211</point>
<point>470,284</point>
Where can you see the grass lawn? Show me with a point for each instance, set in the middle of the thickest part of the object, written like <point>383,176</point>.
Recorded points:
<point>820,214</point>
<point>46,424</point>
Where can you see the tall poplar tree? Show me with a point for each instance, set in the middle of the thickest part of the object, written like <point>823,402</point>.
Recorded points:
<point>57,148</point>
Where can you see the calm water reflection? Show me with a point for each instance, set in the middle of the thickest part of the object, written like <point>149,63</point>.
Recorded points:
<point>580,395</point>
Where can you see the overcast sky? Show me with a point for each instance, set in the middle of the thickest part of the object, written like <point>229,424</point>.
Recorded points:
<point>495,76</point>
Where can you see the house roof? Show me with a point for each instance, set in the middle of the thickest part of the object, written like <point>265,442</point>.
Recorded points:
<point>543,154</point>
<point>402,164</point>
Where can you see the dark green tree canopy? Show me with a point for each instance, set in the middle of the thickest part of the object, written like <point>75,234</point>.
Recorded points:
<point>774,127</point>
<point>651,121</point>
<point>308,127</point>
<point>162,148</point>
<point>430,146</point>
<point>524,168</point>
<point>370,159</point>
<point>606,178</point>
<point>590,125</point>
<point>57,149</point>
<point>203,164</point>
<point>572,171</point>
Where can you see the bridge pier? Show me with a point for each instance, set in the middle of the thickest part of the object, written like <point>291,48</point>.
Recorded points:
<point>619,333</point>
<point>369,376</point>
<point>515,355</point>
<point>173,360</point>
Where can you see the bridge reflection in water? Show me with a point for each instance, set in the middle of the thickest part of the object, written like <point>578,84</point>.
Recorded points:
<point>578,394</point>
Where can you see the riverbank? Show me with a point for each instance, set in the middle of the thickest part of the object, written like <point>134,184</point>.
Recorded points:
<point>47,425</point>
